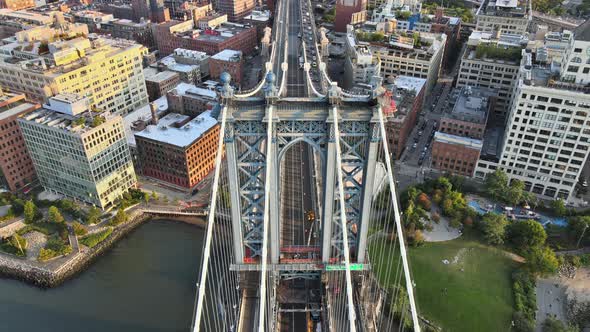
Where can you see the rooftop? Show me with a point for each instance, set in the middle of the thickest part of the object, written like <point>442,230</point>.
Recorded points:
<point>190,89</point>
<point>161,76</point>
<point>70,113</point>
<point>259,16</point>
<point>409,83</point>
<point>220,33</point>
<point>228,55</point>
<point>504,8</point>
<point>12,104</point>
<point>63,56</point>
<point>543,75</point>
<point>174,129</point>
<point>472,105</point>
<point>454,139</point>
<point>142,114</point>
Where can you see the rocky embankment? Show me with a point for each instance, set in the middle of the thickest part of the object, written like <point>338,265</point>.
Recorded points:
<point>55,272</point>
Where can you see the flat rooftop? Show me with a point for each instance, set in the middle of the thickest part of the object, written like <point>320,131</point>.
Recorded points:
<point>161,76</point>
<point>228,55</point>
<point>170,132</point>
<point>409,83</point>
<point>16,104</point>
<point>190,89</point>
<point>505,8</point>
<point>472,105</point>
<point>460,140</point>
<point>143,113</point>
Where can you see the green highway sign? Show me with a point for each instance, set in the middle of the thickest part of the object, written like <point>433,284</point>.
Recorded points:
<point>342,267</point>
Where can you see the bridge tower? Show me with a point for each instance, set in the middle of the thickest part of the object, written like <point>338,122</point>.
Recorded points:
<point>304,217</point>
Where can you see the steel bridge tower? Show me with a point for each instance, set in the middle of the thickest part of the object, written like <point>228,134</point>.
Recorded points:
<point>303,199</point>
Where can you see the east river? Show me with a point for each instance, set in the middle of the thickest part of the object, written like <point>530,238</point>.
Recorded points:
<point>145,283</point>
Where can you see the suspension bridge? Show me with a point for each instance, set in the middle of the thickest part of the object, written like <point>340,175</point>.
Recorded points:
<point>303,234</point>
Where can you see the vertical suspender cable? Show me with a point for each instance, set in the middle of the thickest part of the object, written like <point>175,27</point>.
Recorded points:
<point>351,313</point>
<point>210,223</point>
<point>402,245</point>
<point>267,175</point>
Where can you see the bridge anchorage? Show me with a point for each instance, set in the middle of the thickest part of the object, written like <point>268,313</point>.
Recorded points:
<point>304,232</point>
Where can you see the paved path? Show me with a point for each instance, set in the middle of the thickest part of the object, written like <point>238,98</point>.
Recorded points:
<point>550,300</point>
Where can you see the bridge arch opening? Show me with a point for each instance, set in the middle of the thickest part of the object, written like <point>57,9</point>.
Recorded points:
<point>301,164</point>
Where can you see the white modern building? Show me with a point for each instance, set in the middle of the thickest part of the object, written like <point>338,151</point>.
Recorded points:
<point>505,16</point>
<point>547,135</point>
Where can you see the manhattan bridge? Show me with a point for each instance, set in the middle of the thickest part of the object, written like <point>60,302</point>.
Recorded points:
<point>304,230</point>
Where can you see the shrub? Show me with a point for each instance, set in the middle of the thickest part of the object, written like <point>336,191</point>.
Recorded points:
<point>46,254</point>
<point>15,245</point>
<point>58,245</point>
<point>93,215</point>
<point>119,218</point>
<point>525,301</point>
<point>435,217</point>
<point>79,230</point>
<point>424,201</point>
<point>54,216</point>
<point>30,211</point>
<point>93,239</point>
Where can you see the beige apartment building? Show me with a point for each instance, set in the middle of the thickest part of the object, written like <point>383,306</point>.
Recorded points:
<point>108,71</point>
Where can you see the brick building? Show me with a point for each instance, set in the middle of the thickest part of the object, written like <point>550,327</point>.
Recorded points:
<point>349,12</point>
<point>179,150</point>
<point>227,61</point>
<point>174,34</point>
<point>458,142</point>
<point>455,154</point>
<point>190,100</point>
<point>408,95</point>
<point>160,83</point>
<point>17,168</point>
<point>236,10</point>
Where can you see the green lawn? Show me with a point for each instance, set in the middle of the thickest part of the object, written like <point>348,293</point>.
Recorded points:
<point>479,298</point>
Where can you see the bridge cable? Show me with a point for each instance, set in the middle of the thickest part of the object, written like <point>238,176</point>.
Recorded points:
<point>408,277</point>
<point>267,179</point>
<point>351,312</point>
<point>210,224</point>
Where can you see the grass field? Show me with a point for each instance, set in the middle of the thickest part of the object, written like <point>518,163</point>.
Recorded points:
<point>478,295</point>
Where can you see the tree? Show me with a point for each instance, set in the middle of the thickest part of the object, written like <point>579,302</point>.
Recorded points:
<point>554,325</point>
<point>514,194</point>
<point>496,184</point>
<point>526,234</point>
<point>18,206</point>
<point>579,226</point>
<point>154,196</point>
<point>146,198</point>
<point>493,227</point>
<point>119,218</point>
<point>53,215</point>
<point>93,216</point>
<point>30,211</point>
<point>558,207</point>
<point>79,229</point>
<point>541,259</point>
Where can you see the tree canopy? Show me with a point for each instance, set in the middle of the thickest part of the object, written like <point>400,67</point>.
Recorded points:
<point>526,234</point>
<point>493,227</point>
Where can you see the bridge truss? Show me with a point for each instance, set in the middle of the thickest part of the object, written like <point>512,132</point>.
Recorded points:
<point>363,268</point>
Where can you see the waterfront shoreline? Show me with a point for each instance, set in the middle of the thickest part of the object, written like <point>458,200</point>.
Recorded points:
<point>48,276</point>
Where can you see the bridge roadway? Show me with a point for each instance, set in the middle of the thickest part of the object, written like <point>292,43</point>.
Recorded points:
<point>295,24</point>
<point>297,192</point>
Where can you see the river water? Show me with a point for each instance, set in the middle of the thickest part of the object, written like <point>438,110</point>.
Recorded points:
<point>145,283</point>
